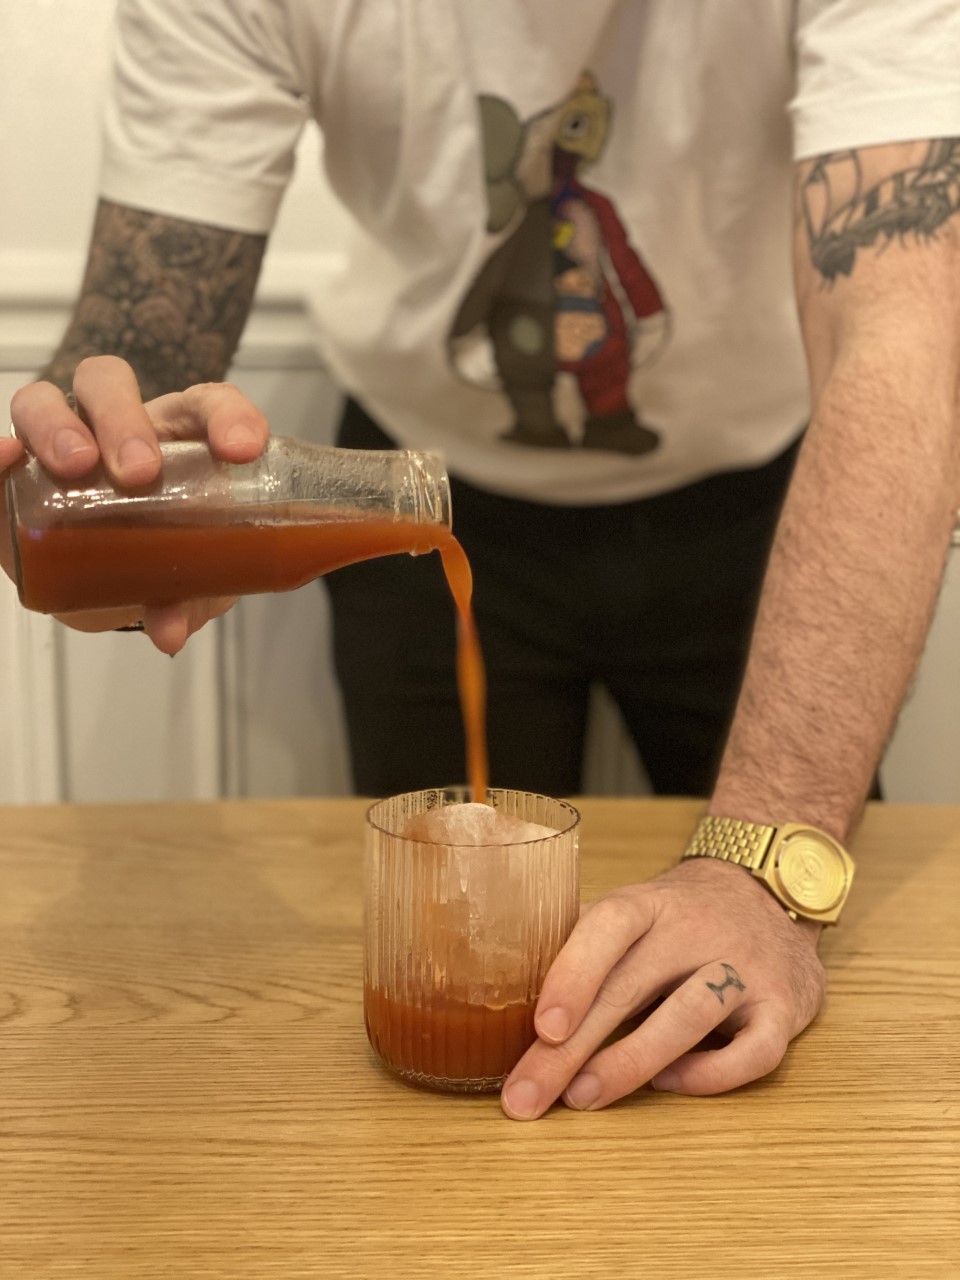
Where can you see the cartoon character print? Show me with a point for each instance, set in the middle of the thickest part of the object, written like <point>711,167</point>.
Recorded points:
<point>565,292</point>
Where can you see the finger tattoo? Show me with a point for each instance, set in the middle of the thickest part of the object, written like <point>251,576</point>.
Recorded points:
<point>731,980</point>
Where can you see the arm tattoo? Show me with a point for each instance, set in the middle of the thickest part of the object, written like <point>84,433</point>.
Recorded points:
<point>843,212</point>
<point>731,980</point>
<point>169,296</point>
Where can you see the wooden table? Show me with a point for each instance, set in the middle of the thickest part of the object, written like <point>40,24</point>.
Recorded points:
<point>186,1089</point>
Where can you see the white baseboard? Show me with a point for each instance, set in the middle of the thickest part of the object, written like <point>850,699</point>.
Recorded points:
<point>31,744</point>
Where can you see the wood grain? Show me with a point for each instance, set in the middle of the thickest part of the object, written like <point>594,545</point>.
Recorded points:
<point>186,1089</point>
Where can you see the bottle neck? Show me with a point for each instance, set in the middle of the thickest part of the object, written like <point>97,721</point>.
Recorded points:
<point>430,488</point>
<point>307,479</point>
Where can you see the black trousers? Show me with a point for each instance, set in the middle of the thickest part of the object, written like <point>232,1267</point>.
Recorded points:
<point>654,599</point>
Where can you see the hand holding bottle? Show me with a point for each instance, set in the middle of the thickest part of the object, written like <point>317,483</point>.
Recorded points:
<point>114,427</point>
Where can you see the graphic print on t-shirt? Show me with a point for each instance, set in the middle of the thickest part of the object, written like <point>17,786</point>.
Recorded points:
<point>566,293</point>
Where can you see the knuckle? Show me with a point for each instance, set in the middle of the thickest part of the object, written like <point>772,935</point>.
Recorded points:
<point>711,1075</point>
<point>619,990</point>
<point>559,1061</point>
<point>625,1061</point>
<point>768,1051</point>
<point>613,914</point>
<point>194,395</point>
<point>202,389</point>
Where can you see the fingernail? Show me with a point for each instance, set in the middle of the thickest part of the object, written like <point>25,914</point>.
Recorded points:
<point>241,435</point>
<point>583,1091</point>
<point>135,454</point>
<point>665,1081</point>
<point>554,1024</point>
<point>68,445</point>
<point>522,1099</point>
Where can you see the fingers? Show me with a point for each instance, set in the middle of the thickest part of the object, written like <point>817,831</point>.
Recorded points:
<point>46,423</point>
<point>589,1080</point>
<point>169,628</point>
<point>546,1069</point>
<point>600,938</point>
<point>236,428</point>
<point>113,423</point>
<point>709,997</point>
<point>755,1051</point>
<point>724,957</point>
<point>11,451</point>
<point>109,398</point>
<point>94,621</point>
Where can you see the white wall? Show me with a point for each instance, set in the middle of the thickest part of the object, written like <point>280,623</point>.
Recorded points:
<point>923,761</point>
<point>53,60</point>
<point>106,717</point>
<point>251,706</point>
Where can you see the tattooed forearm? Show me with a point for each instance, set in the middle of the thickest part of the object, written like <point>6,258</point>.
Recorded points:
<point>846,207</point>
<point>731,980</point>
<point>171,297</point>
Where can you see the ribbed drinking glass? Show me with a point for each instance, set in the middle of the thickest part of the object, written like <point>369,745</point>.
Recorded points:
<point>459,937</point>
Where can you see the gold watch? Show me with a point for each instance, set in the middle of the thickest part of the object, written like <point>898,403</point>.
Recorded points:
<point>808,871</point>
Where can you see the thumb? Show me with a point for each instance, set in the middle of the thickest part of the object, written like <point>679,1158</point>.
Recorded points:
<point>171,626</point>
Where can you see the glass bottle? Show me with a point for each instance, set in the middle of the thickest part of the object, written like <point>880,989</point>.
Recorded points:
<point>212,528</point>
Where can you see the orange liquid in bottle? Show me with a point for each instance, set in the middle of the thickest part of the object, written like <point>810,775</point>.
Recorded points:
<point>102,564</point>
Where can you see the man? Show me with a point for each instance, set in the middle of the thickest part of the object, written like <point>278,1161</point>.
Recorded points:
<point>570,272</point>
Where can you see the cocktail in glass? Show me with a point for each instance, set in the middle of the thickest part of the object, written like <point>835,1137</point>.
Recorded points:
<point>461,928</point>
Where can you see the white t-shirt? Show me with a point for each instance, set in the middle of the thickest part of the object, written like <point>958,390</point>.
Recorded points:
<point>568,257</point>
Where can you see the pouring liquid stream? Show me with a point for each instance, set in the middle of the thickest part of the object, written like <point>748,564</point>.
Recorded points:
<point>112,562</point>
<point>471,675</point>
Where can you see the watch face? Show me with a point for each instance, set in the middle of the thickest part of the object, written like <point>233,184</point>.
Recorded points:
<point>811,871</point>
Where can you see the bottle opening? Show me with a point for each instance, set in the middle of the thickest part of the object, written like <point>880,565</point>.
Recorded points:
<point>433,489</point>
